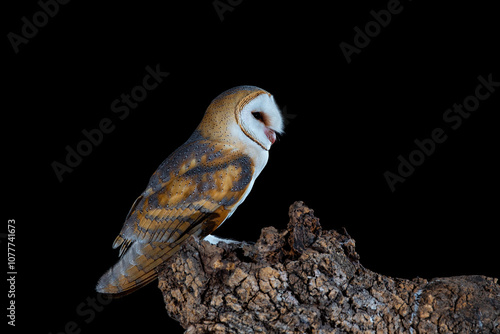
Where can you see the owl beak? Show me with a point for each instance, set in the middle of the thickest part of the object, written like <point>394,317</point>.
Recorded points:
<point>271,135</point>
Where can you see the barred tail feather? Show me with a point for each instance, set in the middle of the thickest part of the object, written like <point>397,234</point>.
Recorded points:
<point>136,268</point>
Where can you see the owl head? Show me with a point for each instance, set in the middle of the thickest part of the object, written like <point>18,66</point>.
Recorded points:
<point>243,113</point>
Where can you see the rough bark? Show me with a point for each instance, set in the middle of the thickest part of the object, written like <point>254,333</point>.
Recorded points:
<point>306,280</point>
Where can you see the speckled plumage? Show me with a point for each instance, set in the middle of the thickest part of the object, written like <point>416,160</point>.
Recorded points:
<point>197,187</point>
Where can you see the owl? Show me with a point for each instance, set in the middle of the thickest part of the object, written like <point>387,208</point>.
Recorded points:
<point>197,187</point>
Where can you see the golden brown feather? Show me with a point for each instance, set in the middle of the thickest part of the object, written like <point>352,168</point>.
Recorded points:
<point>192,195</point>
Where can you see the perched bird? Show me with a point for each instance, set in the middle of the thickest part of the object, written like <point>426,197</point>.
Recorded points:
<point>197,187</point>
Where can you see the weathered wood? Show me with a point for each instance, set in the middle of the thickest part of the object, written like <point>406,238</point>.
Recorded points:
<point>306,280</point>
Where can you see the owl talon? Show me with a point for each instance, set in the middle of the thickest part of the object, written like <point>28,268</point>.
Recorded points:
<point>215,240</point>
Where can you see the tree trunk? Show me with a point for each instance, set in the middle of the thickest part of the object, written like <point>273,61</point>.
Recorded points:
<point>306,280</point>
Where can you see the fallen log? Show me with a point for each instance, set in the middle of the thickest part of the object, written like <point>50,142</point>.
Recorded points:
<point>307,280</point>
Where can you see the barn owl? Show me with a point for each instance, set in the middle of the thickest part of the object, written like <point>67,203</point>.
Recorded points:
<point>197,187</point>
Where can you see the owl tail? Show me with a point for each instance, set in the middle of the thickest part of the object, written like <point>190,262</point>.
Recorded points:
<point>135,269</point>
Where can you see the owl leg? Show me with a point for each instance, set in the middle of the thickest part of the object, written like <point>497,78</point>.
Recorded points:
<point>215,240</point>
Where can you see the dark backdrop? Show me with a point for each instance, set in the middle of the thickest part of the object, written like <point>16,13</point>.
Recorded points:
<point>354,102</point>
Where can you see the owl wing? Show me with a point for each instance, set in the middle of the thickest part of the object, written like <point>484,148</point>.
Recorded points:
<point>193,191</point>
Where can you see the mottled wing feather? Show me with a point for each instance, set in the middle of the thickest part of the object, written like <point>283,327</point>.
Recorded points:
<point>191,193</point>
<point>200,183</point>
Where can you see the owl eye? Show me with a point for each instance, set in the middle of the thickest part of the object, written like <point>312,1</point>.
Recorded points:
<point>258,116</point>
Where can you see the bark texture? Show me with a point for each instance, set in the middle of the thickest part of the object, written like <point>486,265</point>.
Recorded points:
<point>306,280</point>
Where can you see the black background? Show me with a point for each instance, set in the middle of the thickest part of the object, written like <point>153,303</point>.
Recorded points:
<point>346,126</point>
